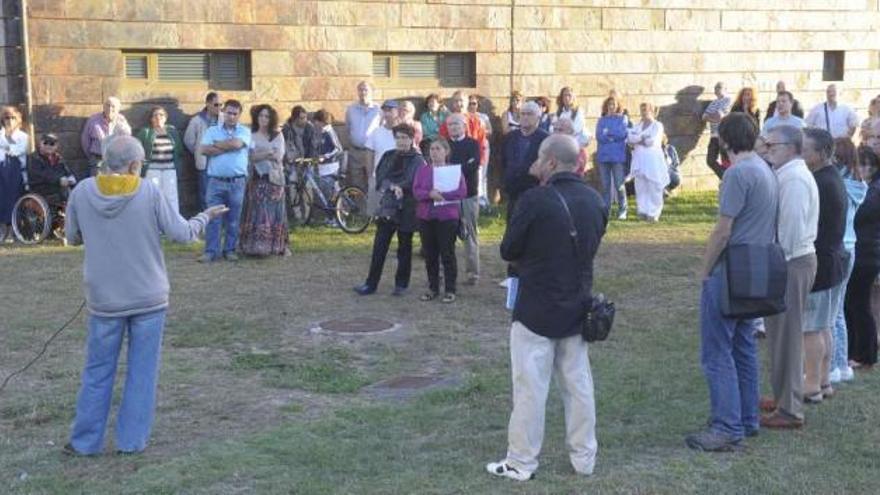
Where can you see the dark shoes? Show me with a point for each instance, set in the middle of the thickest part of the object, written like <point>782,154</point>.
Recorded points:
<point>781,421</point>
<point>767,404</point>
<point>364,290</point>
<point>712,441</point>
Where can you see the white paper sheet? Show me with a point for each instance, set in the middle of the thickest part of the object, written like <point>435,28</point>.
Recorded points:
<point>447,178</point>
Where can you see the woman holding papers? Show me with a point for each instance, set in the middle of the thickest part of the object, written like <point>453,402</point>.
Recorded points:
<point>439,189</point>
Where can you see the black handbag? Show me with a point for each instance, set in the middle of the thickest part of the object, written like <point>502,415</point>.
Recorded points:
<point>600,312</point>
<point>754,279</point>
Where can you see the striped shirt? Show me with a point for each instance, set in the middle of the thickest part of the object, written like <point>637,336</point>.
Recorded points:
<point>163,153</point>
<point>721,105</point>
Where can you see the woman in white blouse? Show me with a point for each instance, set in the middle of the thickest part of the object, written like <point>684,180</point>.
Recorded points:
<point>566,106</point>
<point>264,219</point>
<point>13,167</point>
<point>648,164</point>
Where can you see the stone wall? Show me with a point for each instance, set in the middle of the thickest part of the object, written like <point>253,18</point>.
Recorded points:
<point>11,68</point>
<point>669,52</point>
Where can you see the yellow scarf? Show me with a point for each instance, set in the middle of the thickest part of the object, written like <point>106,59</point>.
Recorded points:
<point>117,185</point>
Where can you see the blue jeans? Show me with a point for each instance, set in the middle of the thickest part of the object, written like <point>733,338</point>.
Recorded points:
<point>841,344</point>
<point>230,194</point>
<point>612,179</point>
<point>729,356</point>
<point>203,189</point>
<point>135,417</point>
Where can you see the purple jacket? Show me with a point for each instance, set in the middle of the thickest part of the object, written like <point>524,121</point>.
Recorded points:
<point>425,209</point>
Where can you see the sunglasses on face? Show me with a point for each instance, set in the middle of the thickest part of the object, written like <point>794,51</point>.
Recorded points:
<point>218,105</point>
<point>49,142</point>
<point>9,117</point>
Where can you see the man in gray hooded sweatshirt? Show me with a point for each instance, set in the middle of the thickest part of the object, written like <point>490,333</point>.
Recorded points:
<point>121,220</point>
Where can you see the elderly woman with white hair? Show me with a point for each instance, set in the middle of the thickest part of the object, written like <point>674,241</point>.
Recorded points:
<point>121,220</point>
<point>564,125</point>
<point>648,164</point>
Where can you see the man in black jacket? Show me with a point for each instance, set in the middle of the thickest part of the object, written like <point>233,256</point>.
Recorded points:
<point>553,251</point>
<point>465,151</point>
<point>47,173</point>
<point>824,299</point>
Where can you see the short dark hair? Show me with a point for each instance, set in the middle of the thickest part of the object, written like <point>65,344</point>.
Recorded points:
<point>432,96</point>
<point>323,116</point>
<point>786,93</point>
<point>738,131</point>
<point>232,103</point>
<point>212,95</point>
<point>822,141</point>
<point>867,158</point>
<point>404,129</point>
<point>297,111</point>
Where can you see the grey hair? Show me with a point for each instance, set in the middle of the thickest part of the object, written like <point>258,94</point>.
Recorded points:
<point>114,100</point>
<point>561,120</point>
<point>121,151</point>
<point>457,117</point>
<point>532,107</point>
<point>563,148</point>
<point>791,135</point>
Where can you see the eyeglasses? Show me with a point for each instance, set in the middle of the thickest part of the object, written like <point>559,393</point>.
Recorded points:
<point>10,117</point>
<point>218,105</point>
<point>50,142</point>
<point>770,145</point>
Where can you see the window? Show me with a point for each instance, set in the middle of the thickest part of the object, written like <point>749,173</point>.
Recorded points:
<point>832,68</point>
<point>205,69</point>
<point>406,70</point>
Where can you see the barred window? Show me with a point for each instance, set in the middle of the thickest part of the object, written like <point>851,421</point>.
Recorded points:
<point>229,70</point>
<point>445,70</point>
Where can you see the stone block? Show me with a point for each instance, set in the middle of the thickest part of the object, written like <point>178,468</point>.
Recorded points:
<point>633,19</point>
<point>89,9</point>
<point>65,62</point>
<point>332,64</point>
<point>271,63</point>
<point>541,17</point>
<point>400,39</point>
<point>67,89</point>
<point>454,16</point>
<point>273,89</point>
<point>346,38</point>
<point>693,20</point>
<point>353,14</point>
<point>60,33</point>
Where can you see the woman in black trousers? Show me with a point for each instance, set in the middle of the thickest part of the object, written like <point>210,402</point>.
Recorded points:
<point>397,211</point>
<point>861,327</point>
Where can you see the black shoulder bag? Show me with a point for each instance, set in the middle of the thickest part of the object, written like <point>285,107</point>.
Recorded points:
<point>599,316</point>
<point>754,278</point>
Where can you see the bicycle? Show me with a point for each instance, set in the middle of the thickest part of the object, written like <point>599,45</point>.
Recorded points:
<point>347,205</point>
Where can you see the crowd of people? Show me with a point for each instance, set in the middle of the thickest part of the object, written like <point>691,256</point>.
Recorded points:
<point>799,184</point>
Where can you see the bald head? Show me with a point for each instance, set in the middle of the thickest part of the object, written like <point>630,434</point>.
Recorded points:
<point>562,149</point>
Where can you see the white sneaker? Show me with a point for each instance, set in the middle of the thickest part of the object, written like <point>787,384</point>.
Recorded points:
<point>834,376</point>
<point>505,470</point>
<point>505,283</point>
<point>621,215</point>
<point>847,374</point>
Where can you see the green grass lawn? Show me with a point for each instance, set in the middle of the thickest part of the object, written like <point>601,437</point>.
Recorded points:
<point>251,401</point>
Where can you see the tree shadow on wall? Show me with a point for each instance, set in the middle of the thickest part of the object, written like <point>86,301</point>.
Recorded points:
<point>683,120</point>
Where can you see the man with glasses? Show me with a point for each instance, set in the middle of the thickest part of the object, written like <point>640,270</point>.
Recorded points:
<point>796,230</point>
<point>47,173</point>
<point>192,139</point>
<point>784,101</point>
<point>226,146</point>
<point>99,127</point>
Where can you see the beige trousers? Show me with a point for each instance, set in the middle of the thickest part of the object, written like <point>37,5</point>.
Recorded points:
<point>470,215</point>
<point>785,337</point>
<point>534,360</point>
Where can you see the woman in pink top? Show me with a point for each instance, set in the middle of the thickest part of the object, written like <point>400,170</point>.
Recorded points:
<point>438,214</point>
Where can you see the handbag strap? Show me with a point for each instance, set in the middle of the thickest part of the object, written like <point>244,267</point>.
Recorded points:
<point>572,230</point>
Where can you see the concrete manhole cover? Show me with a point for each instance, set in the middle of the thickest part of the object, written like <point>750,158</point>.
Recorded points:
<point>355,326</point>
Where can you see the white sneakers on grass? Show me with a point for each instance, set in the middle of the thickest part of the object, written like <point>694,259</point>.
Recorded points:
<point>838,375</point>
<point>505,470</point>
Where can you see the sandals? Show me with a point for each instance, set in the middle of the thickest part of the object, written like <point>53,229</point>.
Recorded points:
<point>448,298</point>
<point>428,296</point>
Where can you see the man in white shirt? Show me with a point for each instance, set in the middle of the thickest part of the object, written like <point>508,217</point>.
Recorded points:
<point>798,224</point>
<point>713,115</point>
<point>378,142</point>
<point>783,116</point>
<point>838,119</point>
<point>361,118</point>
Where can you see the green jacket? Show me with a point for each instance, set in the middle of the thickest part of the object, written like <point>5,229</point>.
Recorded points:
<point>146,136</point>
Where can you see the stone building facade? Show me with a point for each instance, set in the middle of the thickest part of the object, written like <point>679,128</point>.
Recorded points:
<point>669,52</point>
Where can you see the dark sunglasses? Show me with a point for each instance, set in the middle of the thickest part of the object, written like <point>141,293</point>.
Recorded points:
<point>49,142</point>
<point>9,117</point>
<point>218,104</point>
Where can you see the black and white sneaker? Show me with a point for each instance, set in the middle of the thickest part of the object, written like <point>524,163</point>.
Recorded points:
<point>505,470</point>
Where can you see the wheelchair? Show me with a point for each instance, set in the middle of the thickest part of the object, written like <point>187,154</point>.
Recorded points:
<point>35,219</point>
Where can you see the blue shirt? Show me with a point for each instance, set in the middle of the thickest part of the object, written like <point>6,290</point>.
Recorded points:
<point>230,163</point>
<point>611,131</point>
<point>776,121</point>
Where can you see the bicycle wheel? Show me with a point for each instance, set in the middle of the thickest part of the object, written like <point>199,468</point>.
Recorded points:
<point>351,210</point>
<point>299,206</point>
<point>31,219</point>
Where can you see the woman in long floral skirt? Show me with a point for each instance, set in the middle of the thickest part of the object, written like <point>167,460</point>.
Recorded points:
<point>264,219</point>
